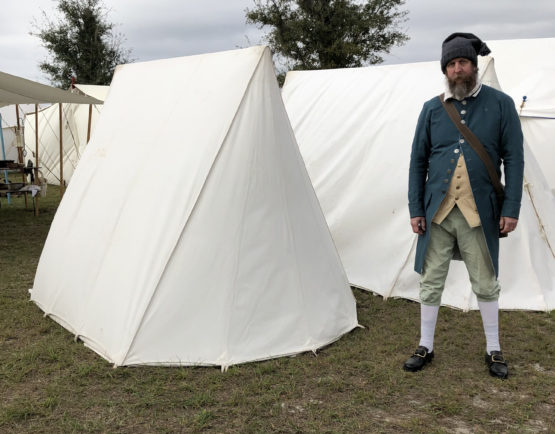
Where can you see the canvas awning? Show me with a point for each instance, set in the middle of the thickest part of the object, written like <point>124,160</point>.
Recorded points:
<point>18,90</point>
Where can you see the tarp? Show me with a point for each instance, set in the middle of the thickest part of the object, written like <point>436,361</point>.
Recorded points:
<point>220,255</point>
<point>18,90</point>
<point>75,126</point>
<point>355,128</point>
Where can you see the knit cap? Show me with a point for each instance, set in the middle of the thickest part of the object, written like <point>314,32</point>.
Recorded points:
<point>465,45</point>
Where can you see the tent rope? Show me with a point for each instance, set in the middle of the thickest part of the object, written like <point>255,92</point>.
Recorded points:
<point>540,223</point>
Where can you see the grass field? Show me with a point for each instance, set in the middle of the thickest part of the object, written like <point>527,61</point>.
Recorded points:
<point>51,384</point>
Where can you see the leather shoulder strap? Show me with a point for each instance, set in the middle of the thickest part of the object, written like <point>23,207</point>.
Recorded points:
<point>474,143</point>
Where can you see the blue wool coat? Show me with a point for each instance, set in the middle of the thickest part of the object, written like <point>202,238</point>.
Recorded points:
<point>437,144</point>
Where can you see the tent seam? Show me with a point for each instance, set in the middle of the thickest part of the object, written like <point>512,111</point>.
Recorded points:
<point>235,271</point>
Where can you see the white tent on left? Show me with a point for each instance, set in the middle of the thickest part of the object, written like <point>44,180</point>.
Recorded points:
<point>222,255</point>
<point>78,122</point>
<point>16,90</point>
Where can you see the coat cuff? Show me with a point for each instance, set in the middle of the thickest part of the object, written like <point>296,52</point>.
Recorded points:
<point>511,208</point>
<point>416,210</point>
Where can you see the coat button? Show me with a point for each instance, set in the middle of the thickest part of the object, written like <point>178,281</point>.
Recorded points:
<point>461,141</point>
<point>464,102</point>
<point>463,112</point>
<point>463,121</point>
<point>456,151</point>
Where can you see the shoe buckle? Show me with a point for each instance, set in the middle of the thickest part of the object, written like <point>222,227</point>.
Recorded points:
<point>497,358</point>
<point>421,355</point>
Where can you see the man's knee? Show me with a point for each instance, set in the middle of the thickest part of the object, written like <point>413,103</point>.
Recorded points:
<point>430,295</point>
<point>488,292</point>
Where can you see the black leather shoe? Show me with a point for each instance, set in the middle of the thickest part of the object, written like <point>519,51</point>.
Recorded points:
<point>420,357</point>
<point>497,364</point>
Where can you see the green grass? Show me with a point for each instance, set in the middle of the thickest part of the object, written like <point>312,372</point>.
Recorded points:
<point>49,383</point>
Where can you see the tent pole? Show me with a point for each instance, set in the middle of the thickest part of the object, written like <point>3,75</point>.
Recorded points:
<point>61,154</point>
<point>89,124</point>
<point>4,155</point>
<point>3,148</point>
<point>37,182</point>
<point>20,150</point>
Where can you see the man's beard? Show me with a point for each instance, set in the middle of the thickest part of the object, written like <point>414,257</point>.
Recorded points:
<point>462,88</point>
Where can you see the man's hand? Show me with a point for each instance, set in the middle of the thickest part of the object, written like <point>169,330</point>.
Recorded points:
<point>507,224</point>
<point>419,225</point>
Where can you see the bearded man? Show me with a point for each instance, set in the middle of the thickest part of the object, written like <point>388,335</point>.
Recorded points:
<point>452,201</point>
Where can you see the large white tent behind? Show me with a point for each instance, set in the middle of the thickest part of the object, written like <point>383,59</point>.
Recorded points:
<point>221,256</point>
<point>354,128</point>
<point>78,122</point>
<point>526,68</point>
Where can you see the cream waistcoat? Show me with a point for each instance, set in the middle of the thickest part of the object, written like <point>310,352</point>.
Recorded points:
<point>459,194</point>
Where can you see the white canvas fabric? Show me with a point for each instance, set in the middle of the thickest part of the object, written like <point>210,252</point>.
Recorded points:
<point>219,256</point>
<point>355,128</point>
<point>10,144</point>
<point>18,90</point>
<point>75,125</point>
<point>96,91</point>
<point>526,69</point>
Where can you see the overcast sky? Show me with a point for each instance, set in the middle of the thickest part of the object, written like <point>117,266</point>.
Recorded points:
<point>156,29</point>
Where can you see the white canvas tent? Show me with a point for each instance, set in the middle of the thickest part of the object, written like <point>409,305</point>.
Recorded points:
<point>78,122</point>
<point>17,90</point>
<point>354,128</point>
<point>221,256</point>
<point>526,68</point>
<point>10,144</point>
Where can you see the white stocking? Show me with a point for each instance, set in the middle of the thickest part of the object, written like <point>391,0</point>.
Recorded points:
<point>490,319</point>
<point>428,319</point>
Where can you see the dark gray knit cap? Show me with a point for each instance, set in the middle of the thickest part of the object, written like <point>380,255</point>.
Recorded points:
<point>465,45</point>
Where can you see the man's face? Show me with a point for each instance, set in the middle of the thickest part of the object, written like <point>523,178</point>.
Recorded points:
<point>459,69</point>
<point>462,76</point>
